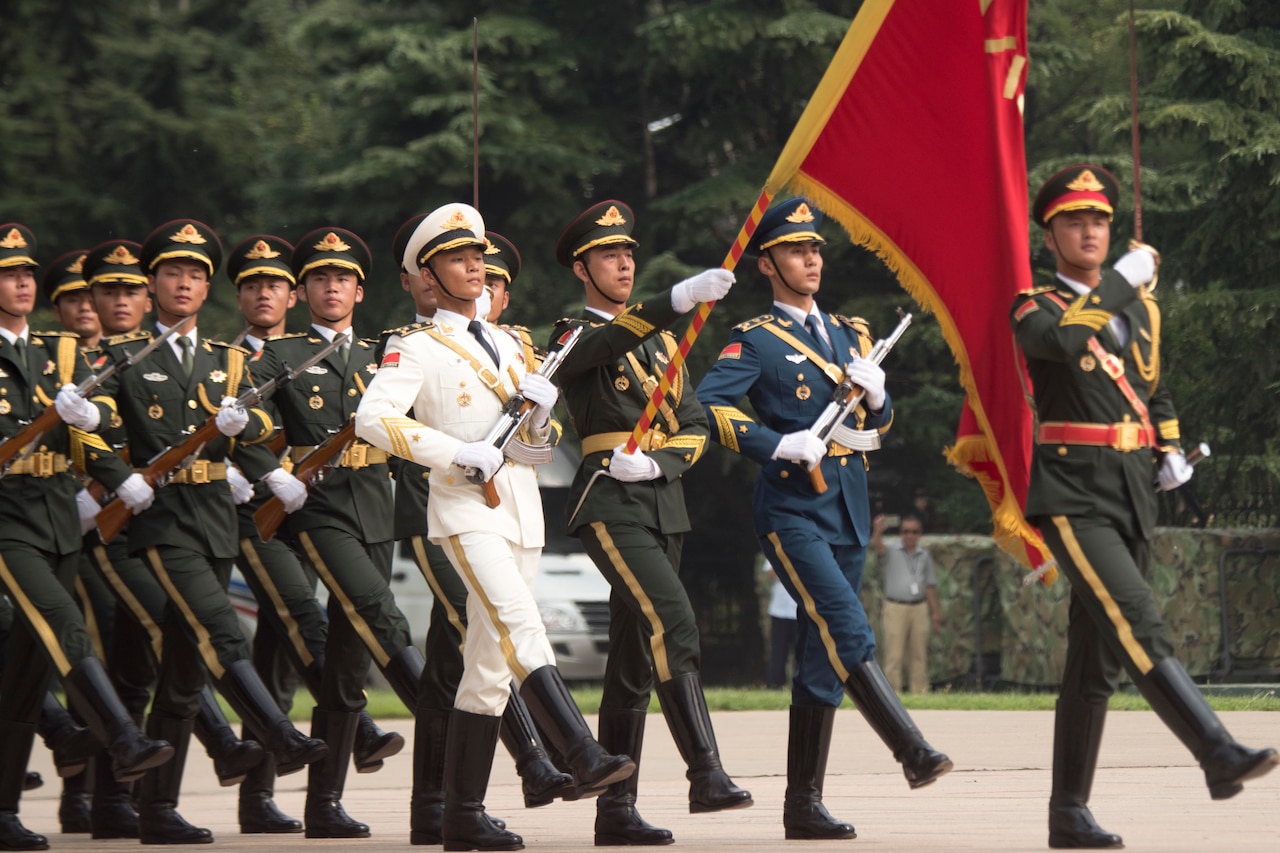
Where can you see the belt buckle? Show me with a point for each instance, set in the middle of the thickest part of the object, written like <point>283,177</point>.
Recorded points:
<point>1126,436</point>
<point>42,464</point>
<point>657,439</point>
<point>357,456</point>
<point>198,473</point>
<point>1112,365</point>
<point>488,377</point>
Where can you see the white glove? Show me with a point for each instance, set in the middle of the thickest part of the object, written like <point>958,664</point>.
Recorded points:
<point>88,509</point>
<point>868,376</point>
<point>1174,471</point>
<point>76,410</point>
<point>479,454</point>
<point>136,493</point>
<point>1137,266</point>
<point>241,488</point>
<point>540,391</point>
<point>632,467</point>
<point>803,447</point>
<point>287,488</point>
<point>706,286</point>
<point>231,419</point>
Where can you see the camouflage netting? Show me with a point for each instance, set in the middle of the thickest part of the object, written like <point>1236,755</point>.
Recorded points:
<point>1021,632</point>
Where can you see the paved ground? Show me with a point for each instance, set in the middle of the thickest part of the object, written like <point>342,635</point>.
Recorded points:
<point>1148,790</point>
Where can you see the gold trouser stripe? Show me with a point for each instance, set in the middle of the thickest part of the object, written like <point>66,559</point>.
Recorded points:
<point>375,648</point>
<point>123,593</point>
<point>90,619</point>
<point>811,608</point>
<point>37,620</point>
<point>1125,631</point>
<point>204,644</point>
<point>428,574</point>
<point>518,672</point>
<point>277,603</point>
<point>657,643</point>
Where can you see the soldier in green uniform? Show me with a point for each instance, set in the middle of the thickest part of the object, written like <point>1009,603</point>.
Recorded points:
<point>343,526</point>
<point>540,780</point>
<point>633,520</point>
<point>292,627</point>
<point>1107,435</point>
<point>40,547</point>
<point>187,537</point>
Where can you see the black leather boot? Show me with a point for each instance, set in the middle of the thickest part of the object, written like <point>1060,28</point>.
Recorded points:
<point>470,743</point>
<point>880,705</point>
<point>403,672</point>
<point>15,751</point>
<point>685,707</point>
<point>1077,735</point>
<point>71,743</point>
<point>32,780</point>
<point>426,804</point>
<point>158,818</point>
<point>244,690</point>
<point>540,781</point>
<point>558,717</point>
<point>1227,765</point>
<point>808,743</point>
<point>233,758</point>
<point>373,745</point>
<point>111,813</point>
<point>132,752</point>
<point>73,807</point>
<point>258,812</point>
<point>618,824</point>
<point>325,817</point>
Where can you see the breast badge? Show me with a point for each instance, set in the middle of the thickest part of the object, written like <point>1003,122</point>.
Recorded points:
<point>464,399</point>
<point>622,383</point>
<point>316,401</point>
<point>1087,363</point>
<point>49,367</point>
<point>218,376</point>
<point>5,408</point>
<point>155,411</point>
<point>803,392</point>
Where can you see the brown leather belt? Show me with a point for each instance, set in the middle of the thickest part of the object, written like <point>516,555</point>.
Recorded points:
<point>1125,436</point>
<point>40,464</point>
<point>358,455</point>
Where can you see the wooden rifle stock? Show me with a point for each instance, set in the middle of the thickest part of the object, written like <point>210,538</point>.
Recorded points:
<point>114,516</point>
<point>271,514</point>
<point>40,424</point>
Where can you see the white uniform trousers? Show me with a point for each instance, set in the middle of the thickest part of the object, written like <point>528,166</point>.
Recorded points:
<point>505,635</point>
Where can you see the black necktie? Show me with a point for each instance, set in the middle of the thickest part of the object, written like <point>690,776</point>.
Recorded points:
<point>824,348</point>
<point>20,344</point>
<point>187,361</point>
<point>477,331</point>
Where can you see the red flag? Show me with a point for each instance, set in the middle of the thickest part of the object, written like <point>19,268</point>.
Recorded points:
<point>913,142</point>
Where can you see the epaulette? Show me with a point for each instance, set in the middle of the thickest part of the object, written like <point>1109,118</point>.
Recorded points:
<point>1044,288</point>
<point>287,335</point>
<point>852,322</point>
<point>128,337</point>
<point>578,321</point>
<point>54,335</point>
<point>226,345</point>
<point>753,323</point>
<point>405,331</point>
<point>513,328</point>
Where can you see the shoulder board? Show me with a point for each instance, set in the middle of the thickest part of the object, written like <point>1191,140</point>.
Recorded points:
<point>226,345</point>
<point>287,336</point>
<point>54,335</point>
<point>578,321</point>
<point>753,323</point>
<point>1047,288</point>
<point>128,338</point>
<point>524,329</point>
<point>851,322</point>
<point>405,331</point>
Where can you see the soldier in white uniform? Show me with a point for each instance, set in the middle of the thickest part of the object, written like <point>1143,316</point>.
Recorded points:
<point>456,373</point>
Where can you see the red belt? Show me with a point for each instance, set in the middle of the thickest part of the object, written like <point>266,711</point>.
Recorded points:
<point>1126,436</point>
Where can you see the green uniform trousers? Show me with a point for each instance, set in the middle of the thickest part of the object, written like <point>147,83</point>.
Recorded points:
<point>652,630</point>
<point>1114,619</point>
<point>363,618</point>
<point>448,629</point>
<point>137,640</point>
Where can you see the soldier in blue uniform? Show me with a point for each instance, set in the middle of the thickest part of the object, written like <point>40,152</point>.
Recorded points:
<point>1107,432</point>
<point>788,363</point>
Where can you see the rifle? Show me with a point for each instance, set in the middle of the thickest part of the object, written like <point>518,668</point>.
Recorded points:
<point>845,398</point>
<point>49,418</point>
<point>114,516</point>
<point>271,514</point>
<point>515,414</point>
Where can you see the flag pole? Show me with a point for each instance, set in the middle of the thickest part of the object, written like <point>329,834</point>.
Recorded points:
<point>475,113</point>
<point>695,325</point>
<point>1133,110</point>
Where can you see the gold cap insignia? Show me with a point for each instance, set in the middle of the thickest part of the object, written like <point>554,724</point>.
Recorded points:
<point>13,240</point>
<point>489,248</point>
<point>457,221</point>
<point>801,214</point>
<point>121,256</point>
<point>78,266</point>
<point>612,216</point>
<point>188,234</point>
<point>1086,181</point>
<point>261,250</point>
<point>331,243</point>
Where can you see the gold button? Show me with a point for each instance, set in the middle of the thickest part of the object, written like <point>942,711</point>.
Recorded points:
<point>449,480</point>
<point>191,404</point>
<point>315,387</point>
<point>605,462</point>
<point>784,473</point>
<point>351,392</point>
<point>1062,451</point>
<point>799,377</point>
<point>426,475</point>
<point>844,460</point>
<point>462,383</point>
